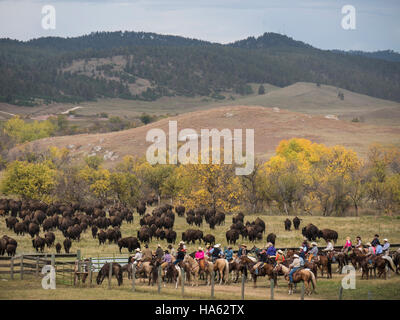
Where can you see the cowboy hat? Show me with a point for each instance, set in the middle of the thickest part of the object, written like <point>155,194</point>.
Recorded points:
<point>301,248</point>
<point>200,248</point>
<point>386,240</point>
<point>269,244</point>
<point>280,251</point>
<point>313,243</point>
<point>137,249</point>
<point>295,255</point>
<point>159,245</point>
<point>369,244</point>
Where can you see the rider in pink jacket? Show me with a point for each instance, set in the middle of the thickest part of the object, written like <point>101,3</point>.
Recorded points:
<point>199,254</point>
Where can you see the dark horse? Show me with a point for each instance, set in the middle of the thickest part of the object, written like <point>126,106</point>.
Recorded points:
<point>105,270</point>
<point>266,270</point>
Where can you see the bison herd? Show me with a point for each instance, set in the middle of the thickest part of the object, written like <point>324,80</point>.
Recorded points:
<point>33,217</point>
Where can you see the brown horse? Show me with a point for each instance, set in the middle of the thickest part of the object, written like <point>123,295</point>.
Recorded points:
<point>234,266</point>
<point>325,263</point>
<point>266,270</point>
<point>305,275</point>
<point>104,272</point>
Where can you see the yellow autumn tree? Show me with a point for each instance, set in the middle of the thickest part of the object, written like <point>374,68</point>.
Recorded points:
<point>29,180</point>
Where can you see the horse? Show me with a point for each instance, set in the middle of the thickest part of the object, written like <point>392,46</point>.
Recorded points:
<point>173,274</point>
<point>267,269</point>
<point>195,269</point>
<point>222,266</point>
<point>105,270</point>
<point>325,262</point>
<point>235,266</point>
<point>381,263</point>
<point>128,269</point>
<point>305,275</point>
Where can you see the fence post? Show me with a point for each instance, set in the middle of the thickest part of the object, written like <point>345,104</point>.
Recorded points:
<point>183,281</point>
<point>243,285</point>
<point>133,277</point>
<point>12,268</point>
<point>159,280</point>
<point>22,267</point>
<point>90,272</point>
<point>109,276</point>
<point>78,257</point>
<point>340,293</point>
<point>302,291</point>
<point>37,267</point>
<point>272,288</point>
<point>212,284</point>
<point>53,260</point>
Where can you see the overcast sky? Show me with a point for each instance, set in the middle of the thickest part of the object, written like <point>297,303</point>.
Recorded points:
<point>315,22</point>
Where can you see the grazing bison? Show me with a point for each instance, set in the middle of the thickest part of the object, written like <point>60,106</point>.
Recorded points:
<point>11,249</point>
<point>144,234</point>
<point>209,238</point>
<point>10,222</point>
<point>232,236</point>
<point>102,236</point>
<point>328,234</point>
<point>296,223</point>
<point>58,247</point>
<point>20,228</point>
<point>310,232</point>
<point>49,238</point>
<point>67,245</point>
<point>105,271</point>
<point>94,232</point>
<point>180,211</point>
<point>170,235</point>
<point>191,235</point>
<point>131,243</point>
<point>33,229</point>
<point>271,238</point>
<point>288,224</point>
<point>39,243</point>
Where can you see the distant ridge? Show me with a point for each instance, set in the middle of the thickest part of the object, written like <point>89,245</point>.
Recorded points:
<point>147,66</point>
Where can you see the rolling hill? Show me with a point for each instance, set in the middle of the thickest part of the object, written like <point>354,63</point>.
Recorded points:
<point>270,125</point>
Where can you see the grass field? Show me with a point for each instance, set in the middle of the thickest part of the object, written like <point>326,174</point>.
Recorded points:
<point>30,288</point>
<point>365,226</point>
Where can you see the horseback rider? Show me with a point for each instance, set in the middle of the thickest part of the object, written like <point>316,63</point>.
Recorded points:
<point>371,249</point>
<point>329,247</point>
<point>159,252</point>
<point>375,241</point>
<point>147,254</point>
<point>242,250</point>
<point>378,249</point>
<point>199,256</point>
<point>294,266</point>
<point>359,243</point>
<point>386,247</point>
<point>166,259</point>
<point>137,258</point>
<point>216,254</point>
<point>347,246</point>
<point>263,257</point>
<point>305,246</point>
<point>279,258</point>
<point>181,253</point>
<point>229,254</point>
<point>302,254</point>
<point>209,250</point>
<point>313,252</point>
<point>271,251</point>
<point>171,250</point>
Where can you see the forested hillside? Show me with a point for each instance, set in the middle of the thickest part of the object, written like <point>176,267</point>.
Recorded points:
<point>44,70</point>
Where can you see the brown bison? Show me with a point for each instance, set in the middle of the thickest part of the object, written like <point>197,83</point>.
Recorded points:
<point>328,234</point>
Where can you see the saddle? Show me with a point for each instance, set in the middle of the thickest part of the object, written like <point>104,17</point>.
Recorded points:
<point>202,264</point>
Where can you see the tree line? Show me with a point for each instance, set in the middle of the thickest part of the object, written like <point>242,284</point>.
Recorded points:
<point>301,178</point>
<point>34,72</point>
